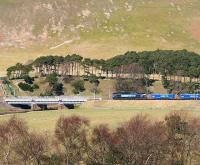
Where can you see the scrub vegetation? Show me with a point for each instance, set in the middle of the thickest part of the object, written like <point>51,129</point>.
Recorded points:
<point>95,29</point>
<point>173,140</point>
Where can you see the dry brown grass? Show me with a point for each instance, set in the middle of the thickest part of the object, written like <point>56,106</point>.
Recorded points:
<point>169,105</point>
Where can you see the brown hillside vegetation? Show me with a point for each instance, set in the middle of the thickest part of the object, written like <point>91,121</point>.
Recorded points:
<point>139,140</point>
<point>96,29</point>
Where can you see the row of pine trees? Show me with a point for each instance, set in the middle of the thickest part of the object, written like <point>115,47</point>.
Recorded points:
<point>167,63</point>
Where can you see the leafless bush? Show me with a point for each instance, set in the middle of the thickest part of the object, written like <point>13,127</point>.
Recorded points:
<point>11,132</point>
<point>174,141</point>
<point>140,142</point>
<point>99,151</point>
<point>71,135</point>
<point>18,146</point>
<point>183,139</point>
<point>32,148</point>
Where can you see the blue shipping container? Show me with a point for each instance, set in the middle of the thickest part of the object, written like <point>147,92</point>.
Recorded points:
<point>162,96</point>
<point>190,96</point>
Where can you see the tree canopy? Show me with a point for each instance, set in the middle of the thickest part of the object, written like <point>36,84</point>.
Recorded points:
<point>164,62</point>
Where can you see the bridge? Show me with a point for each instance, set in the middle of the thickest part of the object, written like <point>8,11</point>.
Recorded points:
<point>43,102</point>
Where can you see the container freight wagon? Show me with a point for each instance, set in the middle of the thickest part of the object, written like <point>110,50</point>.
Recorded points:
<point>162,96</point>
<point>128,96</point>
<point>189,96</point>
<point>154,96</point>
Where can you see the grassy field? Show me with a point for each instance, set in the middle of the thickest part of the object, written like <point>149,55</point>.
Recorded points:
<point>2,110</point>
<point>110,112</point>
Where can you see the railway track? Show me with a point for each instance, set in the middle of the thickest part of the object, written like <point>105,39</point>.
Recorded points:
<point>4,105</point>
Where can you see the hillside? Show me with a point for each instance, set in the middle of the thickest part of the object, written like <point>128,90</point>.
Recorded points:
<point>94,28</point>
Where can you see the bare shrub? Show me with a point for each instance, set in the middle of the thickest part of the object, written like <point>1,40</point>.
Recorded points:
<point>11,132</point>
<point>174,141</point>
<point>18,146</point>
<point>71,136</point>
<point>32,148</point>
<point>183,139</point>
<point>99,152</point>
<point>140,142</point>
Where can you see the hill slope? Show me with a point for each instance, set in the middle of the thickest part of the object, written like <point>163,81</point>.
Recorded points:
<point>95,28</point>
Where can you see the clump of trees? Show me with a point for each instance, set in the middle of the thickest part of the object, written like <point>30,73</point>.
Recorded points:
<point>178,87</point>
<point>94,80</point>
<point>28,79</point>
<point>164,62</point>
<point>78,86</point>
<point>28,85</point>
<point>25,87</point>
<point>56,88</point>
<point>175,141</point>
<point>19,145</point>
<point>127,85</point>
<point>173,65</point>
<point>71,139</point>
<point>18,71</point>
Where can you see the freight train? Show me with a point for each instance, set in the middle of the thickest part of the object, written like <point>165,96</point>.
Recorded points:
<point>153,96</point>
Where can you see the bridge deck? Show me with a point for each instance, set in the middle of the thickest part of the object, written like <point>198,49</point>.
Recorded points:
<point>47,100</point>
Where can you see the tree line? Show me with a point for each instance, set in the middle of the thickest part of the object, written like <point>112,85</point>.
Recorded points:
<point>139,141</point>
<point>132,71</point>
<point>164,62</point>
